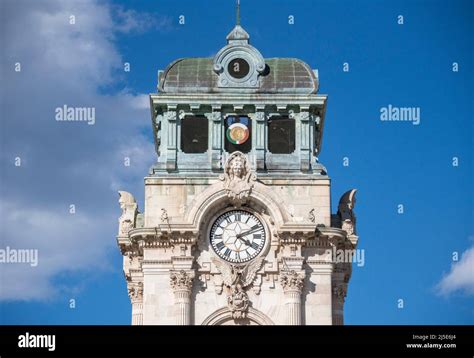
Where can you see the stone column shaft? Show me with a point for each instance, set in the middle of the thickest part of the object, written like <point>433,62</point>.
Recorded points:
<point>293,304</point>
<point>183,303</point>
<point>137,313</point>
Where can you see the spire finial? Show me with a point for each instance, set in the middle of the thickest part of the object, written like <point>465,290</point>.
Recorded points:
<point>238,12</point>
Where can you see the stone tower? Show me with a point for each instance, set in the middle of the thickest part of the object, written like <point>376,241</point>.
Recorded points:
<point>237,225</point>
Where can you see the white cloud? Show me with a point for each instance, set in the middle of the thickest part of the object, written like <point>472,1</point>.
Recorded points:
<point>66,243</point>
<point>132,21</point>
<point>461,276</point>
<point>66,163</point>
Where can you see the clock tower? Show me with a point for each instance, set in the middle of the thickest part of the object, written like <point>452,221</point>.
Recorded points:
<point>237,226</point>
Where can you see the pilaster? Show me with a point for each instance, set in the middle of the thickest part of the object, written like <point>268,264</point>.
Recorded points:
<point>171,132</point>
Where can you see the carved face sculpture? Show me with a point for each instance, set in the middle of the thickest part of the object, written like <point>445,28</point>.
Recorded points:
<point>237,168</point>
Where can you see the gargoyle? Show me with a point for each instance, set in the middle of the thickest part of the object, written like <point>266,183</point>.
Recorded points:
<point>345,212</point>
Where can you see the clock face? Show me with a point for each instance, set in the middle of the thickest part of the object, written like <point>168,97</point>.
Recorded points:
<point>237,236</point>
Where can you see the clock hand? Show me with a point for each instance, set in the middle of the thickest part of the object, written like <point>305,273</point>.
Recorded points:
<point>247,232</point>
<point>245,241</point>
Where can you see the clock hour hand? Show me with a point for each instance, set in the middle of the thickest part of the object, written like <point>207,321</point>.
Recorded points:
<point>245,241</point>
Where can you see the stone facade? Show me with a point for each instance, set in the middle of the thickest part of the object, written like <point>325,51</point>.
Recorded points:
<point>173,273</point>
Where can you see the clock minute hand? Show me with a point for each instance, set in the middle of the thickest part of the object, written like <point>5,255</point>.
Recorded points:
<point>247,233</point>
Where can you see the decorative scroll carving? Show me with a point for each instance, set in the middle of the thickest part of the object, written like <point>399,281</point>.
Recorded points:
<point>311,216</point>
<point>304,116</point>
<point>345,212</point>
<point>214,116</point>
<point>259,116</point>
<point>238,178</point>
<point>129,208</point>
<point>169,115</point>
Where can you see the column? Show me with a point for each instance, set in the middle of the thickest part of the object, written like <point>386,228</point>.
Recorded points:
<point>292,284</point>
<point>305,151</point>
<point>260,140</point>
<point>339,296</point>
<point>215,138</point>
<point>171,134</point>
<point>182,283</point>
<point>135,292</point>
<point>321,275</point>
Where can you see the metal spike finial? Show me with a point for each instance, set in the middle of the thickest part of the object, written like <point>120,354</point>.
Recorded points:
<point>238,12</point>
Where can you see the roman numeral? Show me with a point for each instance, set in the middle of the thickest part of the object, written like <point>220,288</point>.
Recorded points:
<point>228,219</point>
<point>217,237</point>
<point>220,246</point>
<point>237,217</point>
<point>254,245</point>
<point>227,252</point>
<point>257,236</point>
<point>248,218</point>
<point>237,256</point>
<point>256,226</point>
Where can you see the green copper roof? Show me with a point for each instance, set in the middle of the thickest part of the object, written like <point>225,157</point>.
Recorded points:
<point>196,75</point>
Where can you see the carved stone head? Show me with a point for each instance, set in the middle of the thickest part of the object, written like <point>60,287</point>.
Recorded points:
<point>237,166</point>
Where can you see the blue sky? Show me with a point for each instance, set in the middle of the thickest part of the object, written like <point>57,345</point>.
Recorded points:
<point>407,256</point>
